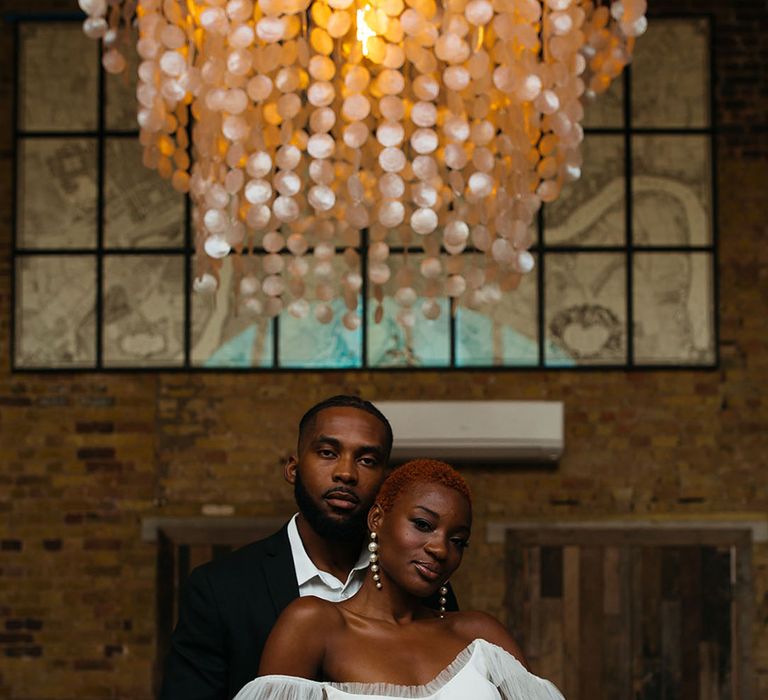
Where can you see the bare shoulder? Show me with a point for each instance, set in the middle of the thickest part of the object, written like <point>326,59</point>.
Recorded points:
<point>474,624</point>
<point>310,611</point>
<point>307,615</point>
<point>296,629</point>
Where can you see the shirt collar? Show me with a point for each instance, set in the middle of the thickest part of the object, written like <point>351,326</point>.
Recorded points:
<point>305,567</point>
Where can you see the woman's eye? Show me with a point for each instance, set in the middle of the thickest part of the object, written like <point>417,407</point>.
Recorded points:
<point>460,543</point>
<point>422,525</point>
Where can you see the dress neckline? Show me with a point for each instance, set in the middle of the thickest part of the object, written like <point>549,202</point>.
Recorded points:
<point>425,690</point>
<point>493,663</point>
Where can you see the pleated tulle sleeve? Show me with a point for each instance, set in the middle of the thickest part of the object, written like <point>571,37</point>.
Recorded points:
<point>511,678</point>
<point>281,688</point>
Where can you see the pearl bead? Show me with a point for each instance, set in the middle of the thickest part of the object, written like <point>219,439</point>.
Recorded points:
<point>372,547</point>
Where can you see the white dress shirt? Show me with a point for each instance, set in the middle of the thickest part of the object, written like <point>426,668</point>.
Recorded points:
<point>313,581</point>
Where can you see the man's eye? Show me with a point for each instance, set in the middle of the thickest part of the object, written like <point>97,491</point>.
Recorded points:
<point>369,461</point>
<point>326,454</point>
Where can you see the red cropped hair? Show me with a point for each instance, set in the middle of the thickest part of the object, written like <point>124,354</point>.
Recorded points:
<point>420,471</point>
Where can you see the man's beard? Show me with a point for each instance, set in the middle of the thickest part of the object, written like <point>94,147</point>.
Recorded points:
<point>344,529</point>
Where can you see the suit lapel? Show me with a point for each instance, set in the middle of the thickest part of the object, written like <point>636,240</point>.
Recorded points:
<point>280,572</point>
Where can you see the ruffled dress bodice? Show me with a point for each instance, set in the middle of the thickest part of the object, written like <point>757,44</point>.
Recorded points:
<point>481,671</point>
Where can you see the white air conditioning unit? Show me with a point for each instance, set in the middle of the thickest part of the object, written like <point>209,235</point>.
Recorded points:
<point>476,431</point>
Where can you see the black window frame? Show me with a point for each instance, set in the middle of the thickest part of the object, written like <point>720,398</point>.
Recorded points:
<point>540,249</point>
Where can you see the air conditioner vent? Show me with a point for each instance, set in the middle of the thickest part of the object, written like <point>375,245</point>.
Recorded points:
<point>476,431</point>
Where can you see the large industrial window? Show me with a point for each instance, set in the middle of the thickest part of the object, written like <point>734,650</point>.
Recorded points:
<point>102,255</point>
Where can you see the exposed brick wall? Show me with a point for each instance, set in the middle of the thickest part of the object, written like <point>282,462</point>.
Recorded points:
<point>84,458</point>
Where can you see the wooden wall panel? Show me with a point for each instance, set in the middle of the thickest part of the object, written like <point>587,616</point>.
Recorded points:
<point>636,613</point>
<point>591,628</point>
<point>551,658</point>
<point>717,593</point>
<point>617,659</point>
<point>671,620</point>
<point>633,617</point>
<point>670,649</point>
<point>690,637</point>
<point>533,608</point>
<point>571,620</point>
<point>515,597</point>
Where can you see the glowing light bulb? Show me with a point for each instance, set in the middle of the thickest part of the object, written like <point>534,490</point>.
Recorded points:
<point>364,31</point>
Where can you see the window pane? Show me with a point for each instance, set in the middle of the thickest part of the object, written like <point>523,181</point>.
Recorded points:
<point>306,342</point>
<point>424,343</point>
<point>120,90</point>
<point>585,308</point>
<point>225,330</point>
<point>606,110</point>
<point>57,193</point>
<point>143,310</point>
<point>503,333</point>
<point>591,211</point>
<point>58,77</point>
<point>584,298</point>
<point>672,190</point>
<point>673,308</point>
<point>141,208</point>
<point>55,310</point>
<point>670,75</point>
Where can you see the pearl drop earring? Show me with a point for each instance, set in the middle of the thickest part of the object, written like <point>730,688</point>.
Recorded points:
<point>373,548</point>
<point>443,600</point>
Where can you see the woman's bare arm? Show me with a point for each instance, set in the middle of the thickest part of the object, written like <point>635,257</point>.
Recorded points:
<point>298,641</point>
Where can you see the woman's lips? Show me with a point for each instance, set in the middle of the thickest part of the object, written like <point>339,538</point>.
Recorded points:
<point>427,571</point>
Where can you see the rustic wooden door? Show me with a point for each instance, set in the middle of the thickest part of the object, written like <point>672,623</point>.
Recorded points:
<point>633,615</point>
<point>182,545</point>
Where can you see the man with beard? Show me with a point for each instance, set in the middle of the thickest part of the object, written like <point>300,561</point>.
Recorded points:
<point>229,606</point>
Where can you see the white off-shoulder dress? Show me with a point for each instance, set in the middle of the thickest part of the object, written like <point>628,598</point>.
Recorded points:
<point>482,671</point>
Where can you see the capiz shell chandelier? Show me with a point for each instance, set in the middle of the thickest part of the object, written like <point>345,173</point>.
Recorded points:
<point>429,127</point>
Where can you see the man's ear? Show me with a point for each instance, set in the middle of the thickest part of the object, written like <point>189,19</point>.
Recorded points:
<point>375,517</point>
<point>289,470</point>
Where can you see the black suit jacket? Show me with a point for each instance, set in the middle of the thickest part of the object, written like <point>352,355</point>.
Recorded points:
<point>226,612</point>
